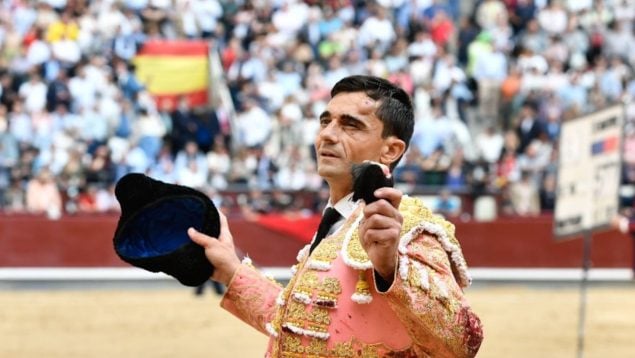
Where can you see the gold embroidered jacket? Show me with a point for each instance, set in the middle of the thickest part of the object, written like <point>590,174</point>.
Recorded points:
<point>329,308</point>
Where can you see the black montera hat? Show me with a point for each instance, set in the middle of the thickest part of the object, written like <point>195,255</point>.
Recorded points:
<point>152,230</point>
<point>368,177</point>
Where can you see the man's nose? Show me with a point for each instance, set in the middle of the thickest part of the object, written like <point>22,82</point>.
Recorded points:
<point>330,132</point>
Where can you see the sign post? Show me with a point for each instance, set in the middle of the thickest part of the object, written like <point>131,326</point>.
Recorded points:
<point>589,170</point>
<point>586,263</point>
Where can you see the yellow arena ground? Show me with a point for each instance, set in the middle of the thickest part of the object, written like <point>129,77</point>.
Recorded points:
<point>519,321</point>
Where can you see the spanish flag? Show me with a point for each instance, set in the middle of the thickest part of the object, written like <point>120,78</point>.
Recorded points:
<point>171,69</point>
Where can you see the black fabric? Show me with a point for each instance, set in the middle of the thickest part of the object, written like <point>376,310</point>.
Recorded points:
<point>368,177</point>
<point>330,217</point>
<point>382,284</point>
<point>152,230</point>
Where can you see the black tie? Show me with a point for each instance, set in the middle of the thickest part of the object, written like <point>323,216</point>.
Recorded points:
<point>330,217</point>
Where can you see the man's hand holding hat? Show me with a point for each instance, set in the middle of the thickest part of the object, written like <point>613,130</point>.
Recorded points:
<point>221,252</point>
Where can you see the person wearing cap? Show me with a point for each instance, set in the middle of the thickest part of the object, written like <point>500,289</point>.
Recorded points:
<point>385,279</point>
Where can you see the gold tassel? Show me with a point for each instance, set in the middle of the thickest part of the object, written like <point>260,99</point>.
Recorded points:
<point>362,290</point>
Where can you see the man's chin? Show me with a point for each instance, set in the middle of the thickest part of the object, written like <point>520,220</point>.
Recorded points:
<point>325,172</point>
<point>328,172</point>
<point>332,174</point>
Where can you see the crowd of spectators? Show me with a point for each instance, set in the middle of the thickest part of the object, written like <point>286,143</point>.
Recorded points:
<point>491,81</point>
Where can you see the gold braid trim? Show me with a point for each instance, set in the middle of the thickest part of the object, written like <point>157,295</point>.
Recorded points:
<point>417,218</point>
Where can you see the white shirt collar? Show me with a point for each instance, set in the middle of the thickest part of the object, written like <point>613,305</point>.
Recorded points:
<point>345,206</point>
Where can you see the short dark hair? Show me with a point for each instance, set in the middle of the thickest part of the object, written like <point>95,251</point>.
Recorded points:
<point>395,108</point>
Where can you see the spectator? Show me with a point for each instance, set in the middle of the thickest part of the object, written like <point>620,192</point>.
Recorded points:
<point>528,127</point>
<point>431,133</point>
<point>63,28</point>
<point>548,193</point>
<point>149,131</point>
<point>291,177</point>
<point>71,101</point>
<point>422,46</point>
<point>553,18</point>
<point>468,30</point>
<point>192,175</point>
<point>489,12</point>
<point>532,38</point>
<point>456,178</point>
<point>33,93</point>
<point>66,51</point>
<point>190,160</point>
<point>101,169</point>
<point>9,156</point>
<point>20,125</point>
<point>253,125</point>
<point>447,205</point>
<point>489,145</point>
<point>508,170</point>
<point>490,70</point>
<point>522,13</point>
<point>43,196</point>
<point>377,30</point>
<point>39,51</point>
<point>525,199</point>
<point>441,28</point>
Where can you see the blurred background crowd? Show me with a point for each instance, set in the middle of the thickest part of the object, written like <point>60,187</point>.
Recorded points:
<point>492,81</point>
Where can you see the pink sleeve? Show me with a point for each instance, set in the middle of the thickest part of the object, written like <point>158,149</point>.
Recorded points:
<point>251,297</point>
<point>431,305</point>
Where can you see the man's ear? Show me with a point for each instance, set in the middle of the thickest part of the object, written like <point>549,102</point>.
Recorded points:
<point>392,150</point>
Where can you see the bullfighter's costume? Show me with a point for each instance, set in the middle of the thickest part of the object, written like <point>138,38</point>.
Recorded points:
<point>335,305</point>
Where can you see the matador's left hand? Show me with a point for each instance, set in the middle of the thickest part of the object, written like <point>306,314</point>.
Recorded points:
<point>380,229</point>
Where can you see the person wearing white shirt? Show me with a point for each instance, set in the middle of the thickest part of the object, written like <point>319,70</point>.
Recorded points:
<point>377,29</point>
<point>489,12</point>
<point>553,19</point>
<point>431,132</point>
<point>290,18</point>
<point>109,20</point>
<point>207,14</point>
<point>184,158</point>
<point>272,91</point>
<point>94,125</point>
<point>335,71</point>
<point>192,176</point>
<point>254,125</point>
<point>489,144</point>
<point>57,4</point>
<point>34,94</point>
<point>23,17</point>
<point>219,164</point>
<point>249,67</point>
<point>66,51</point>
<point>423,46</point>
<point>136,5</point>
<point>187,16</point>
<point>38,52</point>
<point>20,123</point>
<point>137,160</point>
<point>490,71</point>
<point>289,79</point>
<point>291,177</point>
<point>83,91</point>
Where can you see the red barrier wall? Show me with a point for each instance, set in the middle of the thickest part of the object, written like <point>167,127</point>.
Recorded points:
<point>86,241</point>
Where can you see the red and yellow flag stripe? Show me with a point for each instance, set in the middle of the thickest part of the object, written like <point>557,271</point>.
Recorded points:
<point>171,69</point>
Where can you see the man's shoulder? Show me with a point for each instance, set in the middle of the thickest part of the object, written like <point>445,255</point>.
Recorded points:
<point>416,213</point>
<point>419,220</point>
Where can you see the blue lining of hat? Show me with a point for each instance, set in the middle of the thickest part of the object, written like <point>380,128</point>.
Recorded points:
<point>161,227</point>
